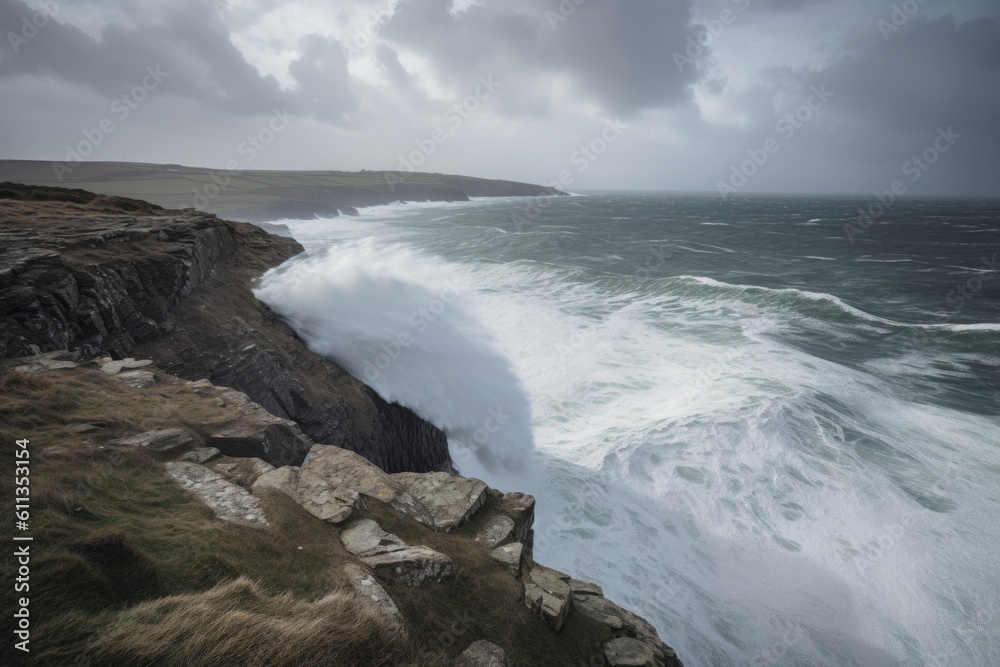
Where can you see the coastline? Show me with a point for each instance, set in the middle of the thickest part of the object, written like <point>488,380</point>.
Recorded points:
<point>169,287</point>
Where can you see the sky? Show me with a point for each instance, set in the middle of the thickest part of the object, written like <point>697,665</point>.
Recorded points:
<point>811,96</point>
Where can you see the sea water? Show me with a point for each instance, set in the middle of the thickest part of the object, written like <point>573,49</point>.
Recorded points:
<point>768,424</point>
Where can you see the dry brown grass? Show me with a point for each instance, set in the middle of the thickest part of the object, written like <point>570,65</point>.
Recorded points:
<point>128,569</point>
<point>236,623</point>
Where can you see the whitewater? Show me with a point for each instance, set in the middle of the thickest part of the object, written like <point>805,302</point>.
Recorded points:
<point>780,447</point>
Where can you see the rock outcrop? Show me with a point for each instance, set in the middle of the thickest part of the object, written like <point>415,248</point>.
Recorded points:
<point>229,501</point>
<point>110,276</point>
<point>177,289</point>
<point>483,654</point>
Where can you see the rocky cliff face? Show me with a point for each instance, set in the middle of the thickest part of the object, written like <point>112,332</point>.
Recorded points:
<point>106,275</point>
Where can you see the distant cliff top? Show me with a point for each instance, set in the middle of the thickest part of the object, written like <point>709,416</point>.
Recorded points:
<point>261,196</point>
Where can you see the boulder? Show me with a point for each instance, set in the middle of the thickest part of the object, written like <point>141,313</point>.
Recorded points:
<point>229,501</point>
<point>437,499</point>
<point>331,479</point>
<point>482,654</point>
<point>628,652</point>
<point>276,441</point>
<point>392,559</point>
<point>521,508</point>
<point>602,610</point>
<point>327,467</point>
<point>496,530</point>
<point>366,538</point>
<point>368,589</point>
<point>509,555</point>
<point>48,361</point>
<point>547,593</point>
<point>166,442</point>
<point>115,367</point>
<point>412,566</point>
<point>284,479</point>
<point>578,587</point>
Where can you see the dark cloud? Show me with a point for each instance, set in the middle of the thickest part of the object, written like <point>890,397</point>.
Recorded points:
<point>193,48</point>
<point>621,59</point>
<point>564,67</point>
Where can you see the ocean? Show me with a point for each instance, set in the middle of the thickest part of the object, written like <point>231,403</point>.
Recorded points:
<point>768,424</point>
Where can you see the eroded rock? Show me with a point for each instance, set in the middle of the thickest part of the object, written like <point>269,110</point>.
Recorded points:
<point>628,652</point>
<point>412,566</point>
<point>365,585</point>
<point>366,538</point>
<point>438,500</point>
<point>482,654</point>
<point>229,501</point>
<point>547,593</point>
<point>165,442</point>
<point>285,479</point>
<point>509,555</point>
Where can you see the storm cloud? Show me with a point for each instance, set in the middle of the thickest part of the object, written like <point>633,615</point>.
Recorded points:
<point>698,85</point>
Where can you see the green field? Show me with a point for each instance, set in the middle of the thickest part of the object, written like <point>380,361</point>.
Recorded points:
<point>259,196</point>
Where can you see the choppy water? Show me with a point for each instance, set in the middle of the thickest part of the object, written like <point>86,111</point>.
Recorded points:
<point>780,447</point>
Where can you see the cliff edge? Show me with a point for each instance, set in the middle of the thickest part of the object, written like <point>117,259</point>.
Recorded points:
<point>205,491</point>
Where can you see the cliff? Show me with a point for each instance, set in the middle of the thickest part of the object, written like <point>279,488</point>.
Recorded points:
<point>104,275</point>
<point>261,196</point>
<point>206,491</point>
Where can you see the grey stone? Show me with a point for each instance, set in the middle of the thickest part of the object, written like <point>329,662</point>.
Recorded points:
<point>259,434</point>
<point>584,588</point>
<point>521,508</point>
<point>115,367</point>
<point>137,379</point>
<point>284,479</point>
<point>483,654</point>
<point>229,502</point>
<point>332,479</point>
<point>439,500</point>
<point>628,652</point>
<point>412,566</point>
<point>48,361</point>
<point>366,538</point>
<point>509,555</point>
<point>547,593</point>
<point>332,468</point>
<point>165,442</point>
<point>602,610</point>
<point>498,529</point>
<point>368,589</point>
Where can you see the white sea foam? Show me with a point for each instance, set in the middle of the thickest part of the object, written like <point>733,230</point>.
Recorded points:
<point>399,322</point>
<point>759,504</point>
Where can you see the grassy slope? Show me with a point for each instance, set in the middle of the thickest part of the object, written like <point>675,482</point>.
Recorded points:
<point>128,569</point>
<point>175,186</point>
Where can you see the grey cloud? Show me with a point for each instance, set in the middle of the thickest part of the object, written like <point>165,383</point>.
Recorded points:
<point>621,59</point>
<point>193,47</point>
